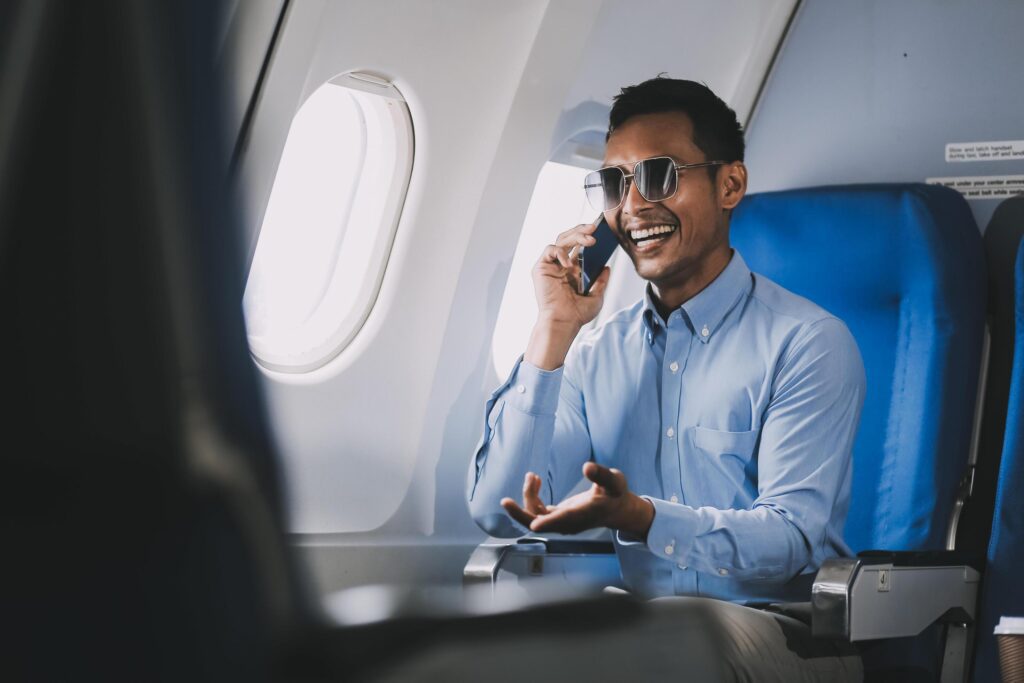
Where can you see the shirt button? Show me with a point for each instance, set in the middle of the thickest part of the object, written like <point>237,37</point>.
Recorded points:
<point>723,572</point>
<point>673,499</point>
<point>704,331</point>
<point>681,566</point>
<point>670,432</point>
<point>521,389</point>
<point>669,549</point>
<point>674,367</point>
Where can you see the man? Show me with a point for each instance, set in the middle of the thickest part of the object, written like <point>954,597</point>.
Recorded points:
<point>714,418</point>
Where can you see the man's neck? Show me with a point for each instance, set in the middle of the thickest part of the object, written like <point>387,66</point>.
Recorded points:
<point>669,297</point>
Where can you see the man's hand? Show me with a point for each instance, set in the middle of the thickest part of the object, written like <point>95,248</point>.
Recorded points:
<point>561,310</point>
<point>556,280</point>
<point>608,503</point>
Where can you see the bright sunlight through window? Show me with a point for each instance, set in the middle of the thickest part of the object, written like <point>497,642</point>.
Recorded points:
<point>346,162</point>
<point>558,203</point>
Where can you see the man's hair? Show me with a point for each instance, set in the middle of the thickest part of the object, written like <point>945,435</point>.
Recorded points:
<point>716,130</point>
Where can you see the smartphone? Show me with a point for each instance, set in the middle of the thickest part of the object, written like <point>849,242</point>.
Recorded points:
<point>592,259</point>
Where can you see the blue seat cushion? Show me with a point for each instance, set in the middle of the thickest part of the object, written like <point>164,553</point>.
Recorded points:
<point>902,265</point>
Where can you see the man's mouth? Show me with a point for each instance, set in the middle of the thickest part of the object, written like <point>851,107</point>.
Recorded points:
<point>650,235</point>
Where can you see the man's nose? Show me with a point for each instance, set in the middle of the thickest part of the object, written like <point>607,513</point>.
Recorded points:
<point>633,203</point>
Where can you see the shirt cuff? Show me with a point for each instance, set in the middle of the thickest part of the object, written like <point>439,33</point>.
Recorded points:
<point>673,530</point>
<point>534,391</point>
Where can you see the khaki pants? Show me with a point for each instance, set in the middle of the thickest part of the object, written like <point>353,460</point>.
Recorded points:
<point>663,641</point>
<point>763,645</point>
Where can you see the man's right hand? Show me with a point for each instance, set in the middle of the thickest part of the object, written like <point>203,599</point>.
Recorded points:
<point>561,310</point>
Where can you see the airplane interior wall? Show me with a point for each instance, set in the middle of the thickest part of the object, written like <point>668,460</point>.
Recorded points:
<point>376,443</point>
<point>351,432</point>
<point>873,91</point>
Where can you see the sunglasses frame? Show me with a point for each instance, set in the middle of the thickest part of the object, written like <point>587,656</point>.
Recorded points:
<point>627,177</point>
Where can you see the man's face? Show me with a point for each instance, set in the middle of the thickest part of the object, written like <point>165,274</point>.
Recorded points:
<point>695,213</point>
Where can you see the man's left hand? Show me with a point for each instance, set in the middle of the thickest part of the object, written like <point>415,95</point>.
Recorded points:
<point>607,503</point>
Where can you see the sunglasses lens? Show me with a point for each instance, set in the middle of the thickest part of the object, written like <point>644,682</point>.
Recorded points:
<point>656,178</point>
<point>604,188</point>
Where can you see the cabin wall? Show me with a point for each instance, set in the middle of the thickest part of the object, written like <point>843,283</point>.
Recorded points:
<point>873,91</point>
<point>361,437</point>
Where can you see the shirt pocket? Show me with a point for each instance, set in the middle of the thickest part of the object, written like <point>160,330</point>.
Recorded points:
<point>724,460</point>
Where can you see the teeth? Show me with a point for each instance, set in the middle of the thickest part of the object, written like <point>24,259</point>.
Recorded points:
<point>650,232</point>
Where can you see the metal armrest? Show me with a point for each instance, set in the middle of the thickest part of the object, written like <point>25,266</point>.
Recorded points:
<point>892,594</point>
<point>582,562</point>
<point>886,594</point>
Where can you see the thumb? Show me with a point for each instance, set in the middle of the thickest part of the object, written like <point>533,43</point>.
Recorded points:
<point>612,480</point>
<point>601,283</point>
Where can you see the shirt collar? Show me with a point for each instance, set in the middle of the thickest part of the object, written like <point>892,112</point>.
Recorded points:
<point>708,308</point>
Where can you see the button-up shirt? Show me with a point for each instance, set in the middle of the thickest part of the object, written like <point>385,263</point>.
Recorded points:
<point>735,417</point>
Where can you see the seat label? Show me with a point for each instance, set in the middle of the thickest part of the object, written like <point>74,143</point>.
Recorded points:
<point>983,186</point>
<point>1004,150</point>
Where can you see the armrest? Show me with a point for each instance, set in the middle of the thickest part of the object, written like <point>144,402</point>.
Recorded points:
<point>586,561</point>
<point>922,558</point>
<point>892,594</point>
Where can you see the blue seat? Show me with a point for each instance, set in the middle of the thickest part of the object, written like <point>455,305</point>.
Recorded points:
<point>903,266</point>
<point>1002,589</point>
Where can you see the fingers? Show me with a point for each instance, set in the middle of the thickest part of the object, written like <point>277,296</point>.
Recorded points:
<point>612,480</point>
<point>564,520</point>
<point>531,494</point>
<point>568,243</point>
<point>601,283</point>
<point>558,255</point>
<point>517,513</point>
<point>581,234</point>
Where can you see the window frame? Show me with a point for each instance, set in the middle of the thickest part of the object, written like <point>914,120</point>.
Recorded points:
<point>299,359</point>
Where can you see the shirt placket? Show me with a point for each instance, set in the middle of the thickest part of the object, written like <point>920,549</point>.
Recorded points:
<point>677,351</point>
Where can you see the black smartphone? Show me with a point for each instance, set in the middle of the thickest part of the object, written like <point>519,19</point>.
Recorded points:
<point>592,259</point>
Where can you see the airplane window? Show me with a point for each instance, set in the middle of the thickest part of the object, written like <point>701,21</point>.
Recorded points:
<point>346,162</point>
<point>558,203</point>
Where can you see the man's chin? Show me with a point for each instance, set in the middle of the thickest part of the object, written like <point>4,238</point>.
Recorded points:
<point>649,270</point>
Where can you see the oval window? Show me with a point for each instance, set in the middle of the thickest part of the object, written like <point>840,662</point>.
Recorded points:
<point>329,224</point>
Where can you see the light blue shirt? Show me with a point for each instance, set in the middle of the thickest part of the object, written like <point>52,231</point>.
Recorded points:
<point>735,418</point>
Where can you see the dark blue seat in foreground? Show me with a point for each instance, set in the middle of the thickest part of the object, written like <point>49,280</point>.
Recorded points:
<point>1003,591</point>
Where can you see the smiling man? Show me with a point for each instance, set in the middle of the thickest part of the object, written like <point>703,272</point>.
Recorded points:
<point>714,418</point>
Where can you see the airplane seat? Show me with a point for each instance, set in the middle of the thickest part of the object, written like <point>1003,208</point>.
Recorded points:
<point>903,266</point>
<point>1002,593</point>
<point>1002,237</point>
<point>140,496</point>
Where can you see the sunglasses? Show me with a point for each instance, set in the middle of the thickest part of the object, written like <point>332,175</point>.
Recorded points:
<point>656,180</point>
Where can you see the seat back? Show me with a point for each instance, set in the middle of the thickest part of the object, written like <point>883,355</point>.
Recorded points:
<point>1002,237</point>
<point>143,520</point>
<point>902,265</point>
<point>1002,589</point>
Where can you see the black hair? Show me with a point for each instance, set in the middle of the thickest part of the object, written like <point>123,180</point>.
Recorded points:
<point>716,130</point>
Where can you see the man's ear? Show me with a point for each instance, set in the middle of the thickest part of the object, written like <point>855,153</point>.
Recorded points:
<point>733,184</point>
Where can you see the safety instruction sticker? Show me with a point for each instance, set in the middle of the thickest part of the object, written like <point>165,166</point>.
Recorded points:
<point>1005,150</point>
<point>983,186</point>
